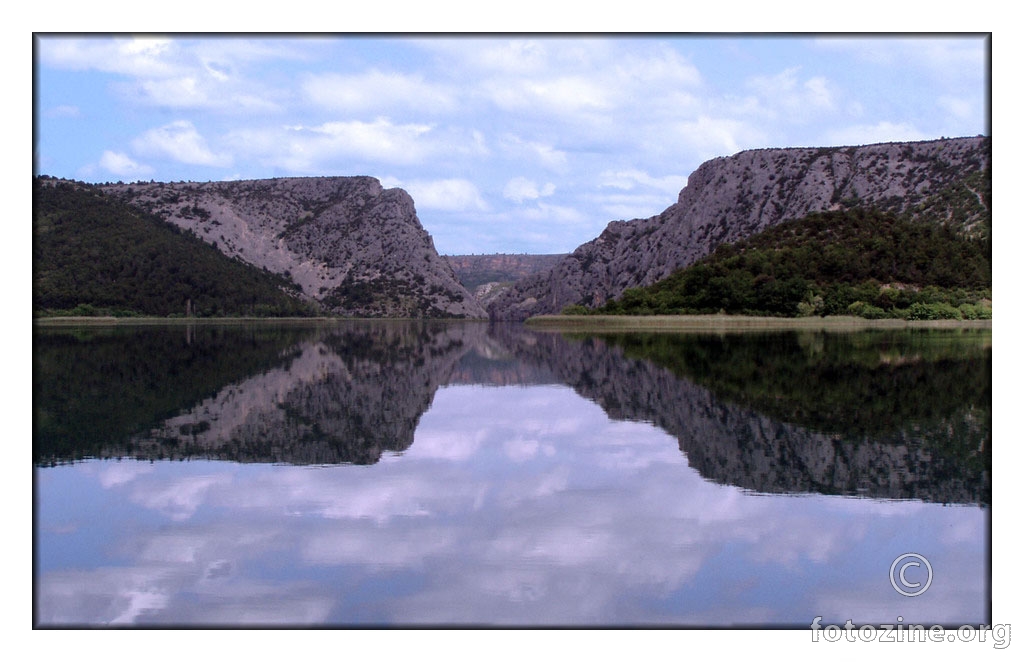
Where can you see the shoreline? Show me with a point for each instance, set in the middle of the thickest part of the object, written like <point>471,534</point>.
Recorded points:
<point>597,323</point>
<point>152,321</point>
<point>727,323</point>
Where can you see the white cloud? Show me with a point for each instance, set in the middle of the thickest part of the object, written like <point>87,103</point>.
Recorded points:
<point>713,136</point>
<point>375,90</point>
<point>560,95</point>
<point>959,108</point>
<point>941,56</point>
<point>316,148</point>
<point>519,189</point>
<point>643,194</point>
<point>181,142</point>
<point>204,90</point>
<point>170,72</point>
<point>446,195</point>
<point>546,155</point>
<point>882,132</point>
<point>517,56</point>
<point>633,205</point>
<point>795,99</point>
<point>122,165</point>
<point>136,56</point>
<point>557,213</point>
<point>663,68</point>
<point>181,91</point>
<point>631,178</point>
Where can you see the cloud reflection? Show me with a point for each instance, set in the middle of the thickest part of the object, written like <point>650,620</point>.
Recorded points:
<point>592,522</point>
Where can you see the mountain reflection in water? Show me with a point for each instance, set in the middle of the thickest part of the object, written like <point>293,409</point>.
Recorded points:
<point>888,414</point>
<point>410,473</point>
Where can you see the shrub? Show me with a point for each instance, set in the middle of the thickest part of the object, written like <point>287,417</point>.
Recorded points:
<point>866,310</point>
<point>932,311</point>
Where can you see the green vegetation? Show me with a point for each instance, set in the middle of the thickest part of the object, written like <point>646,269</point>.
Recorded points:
<point>96,387</point>
<point>733,323</point>
<point>858,262</point>
<point>95,256</point>
<point>385,296</point>
<point>882,385</point>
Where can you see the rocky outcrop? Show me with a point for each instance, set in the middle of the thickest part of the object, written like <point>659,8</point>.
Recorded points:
<point>475,270</point>
<point>347,242</point>
<point>488,276</point>
<point>730,198</point>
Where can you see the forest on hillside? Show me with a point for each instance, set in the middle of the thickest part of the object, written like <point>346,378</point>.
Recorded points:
<point>93,255</point>
<point>861,262</point>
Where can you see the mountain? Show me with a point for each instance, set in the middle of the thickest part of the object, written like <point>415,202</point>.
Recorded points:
<point>730,198</point>
<point>487,276</point>
<point>92,254</point>
<point>861,262</point>
<point>346,242</point>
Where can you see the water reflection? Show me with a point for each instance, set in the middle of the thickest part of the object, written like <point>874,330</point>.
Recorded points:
<point>883,414</point>
<point>497,494</point>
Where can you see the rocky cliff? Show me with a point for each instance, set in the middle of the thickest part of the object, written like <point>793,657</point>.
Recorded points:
<point>347,242</point>
<point>488,276</point>
<point>729,198</point>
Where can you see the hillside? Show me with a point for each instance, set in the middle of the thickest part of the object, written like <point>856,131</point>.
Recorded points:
<point>487,276</point>
<point>862,261</point>
<point>92,254</point>
<point>730,198</point>
<point>348,243</point>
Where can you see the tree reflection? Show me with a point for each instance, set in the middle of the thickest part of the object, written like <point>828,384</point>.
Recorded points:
<point>883,414</point>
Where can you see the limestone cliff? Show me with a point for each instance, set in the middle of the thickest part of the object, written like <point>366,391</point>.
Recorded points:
<point>488,276</point>
<point>730,198</point>
<point>347,242</point>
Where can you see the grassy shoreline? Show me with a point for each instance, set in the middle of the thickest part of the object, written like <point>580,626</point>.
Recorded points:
<point>736,323</point>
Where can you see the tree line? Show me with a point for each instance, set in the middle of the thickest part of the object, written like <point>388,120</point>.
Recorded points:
<point>860,262</point>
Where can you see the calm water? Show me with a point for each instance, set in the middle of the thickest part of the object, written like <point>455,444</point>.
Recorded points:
<point>456,473</point>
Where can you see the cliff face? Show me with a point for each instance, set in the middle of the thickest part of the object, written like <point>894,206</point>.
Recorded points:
<point>730,198</point>
<point>488,276</point>
<point>352,245</point>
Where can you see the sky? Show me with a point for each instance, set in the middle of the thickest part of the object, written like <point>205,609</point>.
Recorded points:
<point>513,144</point>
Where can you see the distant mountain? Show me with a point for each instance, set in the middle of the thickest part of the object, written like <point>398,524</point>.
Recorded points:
<point>356,248</point>
<point>726,199</point>
<point>92,254</point>
<point>487,276</point>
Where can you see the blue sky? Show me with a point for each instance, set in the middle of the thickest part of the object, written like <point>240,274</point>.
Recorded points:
<point>525,144</point>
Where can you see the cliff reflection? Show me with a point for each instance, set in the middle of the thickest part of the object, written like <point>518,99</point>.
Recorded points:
<point>894,415</point>
<point>882,414</point>
<point>315,395</point>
